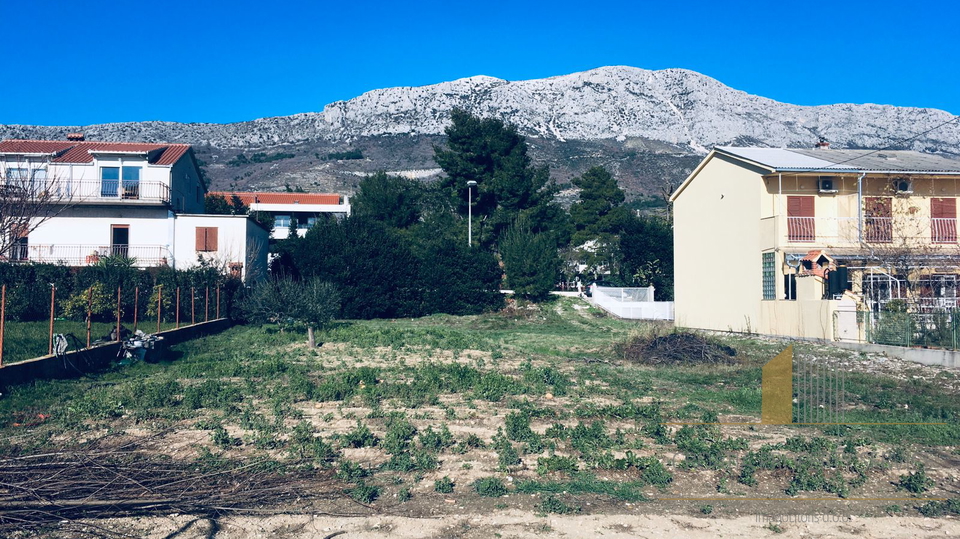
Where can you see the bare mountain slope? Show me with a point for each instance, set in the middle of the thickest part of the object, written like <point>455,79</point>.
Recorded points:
<point>648,125</point>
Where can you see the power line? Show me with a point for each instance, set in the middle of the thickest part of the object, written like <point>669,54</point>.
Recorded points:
<point>899,142</point>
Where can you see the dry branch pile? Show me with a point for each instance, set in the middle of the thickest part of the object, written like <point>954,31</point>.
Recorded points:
<point>678,348</point>
<point>91,483</point>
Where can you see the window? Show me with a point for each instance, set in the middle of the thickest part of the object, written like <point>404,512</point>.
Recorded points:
<point>15,175</point>
<point>879,288</point>
<point>938,293</point>
<point>120,240</point>
<point>769,274</point>
<point>800,219</point>
<point>131,182</point>
<point>207,239</point>
<point>281,221</point>
<point>878,219</point>
<point>109,181</point>
<point>20,250</point>
<point>790,286</point>
<point>311,221</point>
<point>943,220</point>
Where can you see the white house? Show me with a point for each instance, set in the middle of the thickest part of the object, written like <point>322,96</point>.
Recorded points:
<point>143,201</point>
<point>302,208</point>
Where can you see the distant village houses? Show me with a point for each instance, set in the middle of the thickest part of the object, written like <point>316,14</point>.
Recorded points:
<point>139,201</point>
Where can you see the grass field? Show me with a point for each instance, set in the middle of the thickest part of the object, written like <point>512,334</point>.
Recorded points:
<point>536,403</point>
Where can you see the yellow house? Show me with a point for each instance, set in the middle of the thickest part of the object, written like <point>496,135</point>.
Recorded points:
<point>797,242</point>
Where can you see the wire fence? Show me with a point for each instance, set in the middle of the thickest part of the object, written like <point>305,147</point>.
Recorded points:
<point>929,329</point>
<point>99,315</point>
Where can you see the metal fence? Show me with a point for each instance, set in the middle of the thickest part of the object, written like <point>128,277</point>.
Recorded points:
<point>106,315</point>
<point>927,329</point>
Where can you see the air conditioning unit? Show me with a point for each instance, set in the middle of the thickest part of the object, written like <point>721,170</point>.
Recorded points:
<point>827,185</point>
<point>903,186</point>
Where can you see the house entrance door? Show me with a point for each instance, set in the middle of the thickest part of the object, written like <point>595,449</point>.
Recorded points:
<point>120,240</point>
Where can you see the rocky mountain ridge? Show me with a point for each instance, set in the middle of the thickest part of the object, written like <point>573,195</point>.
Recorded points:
<point>672,111</point>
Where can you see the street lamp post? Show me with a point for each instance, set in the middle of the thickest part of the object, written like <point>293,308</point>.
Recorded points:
<point>470,185</point>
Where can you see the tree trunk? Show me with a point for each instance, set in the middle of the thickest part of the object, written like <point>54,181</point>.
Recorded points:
<point>311,341</point>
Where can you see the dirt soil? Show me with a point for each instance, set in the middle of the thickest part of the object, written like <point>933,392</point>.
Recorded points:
<point>517,524</point>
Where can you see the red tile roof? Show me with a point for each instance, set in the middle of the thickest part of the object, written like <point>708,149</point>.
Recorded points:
<point>69,151</point>
<point>282,198</point>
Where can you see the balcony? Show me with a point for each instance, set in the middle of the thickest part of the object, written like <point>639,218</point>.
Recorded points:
<point>145,256</point>
<point>110,191</point>
<point>844,232</point>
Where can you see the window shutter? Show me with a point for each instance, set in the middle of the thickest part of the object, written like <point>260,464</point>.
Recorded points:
<point>943,208</point>
<point>800,206</point>
<point>212,238</point>
<point>201,239</point>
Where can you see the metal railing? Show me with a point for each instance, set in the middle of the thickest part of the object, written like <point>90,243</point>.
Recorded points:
<point>943,230</point>
<point>878,229</point>
<point>928,329</point>
<point>802,229</point>
<point>145,256</point>
<point>109,190</point>
<point>845,231</point>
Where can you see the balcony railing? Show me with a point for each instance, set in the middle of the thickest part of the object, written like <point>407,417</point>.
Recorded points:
<point>802,229</point>
<point>108,190</point>
<point>145,256</point>
<point>878,229</point>
<point>845,231</point>
<point>943,230</point>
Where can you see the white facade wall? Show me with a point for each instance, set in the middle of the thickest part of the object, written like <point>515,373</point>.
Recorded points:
<point>239,239</point>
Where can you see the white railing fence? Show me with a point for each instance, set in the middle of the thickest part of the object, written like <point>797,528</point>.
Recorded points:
<point>633,303</point>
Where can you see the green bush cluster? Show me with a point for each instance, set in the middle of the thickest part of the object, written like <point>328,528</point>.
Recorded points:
<point>28,290</point>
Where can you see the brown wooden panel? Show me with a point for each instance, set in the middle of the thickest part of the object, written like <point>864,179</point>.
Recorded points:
<point>212,240</point>
<point>799,206</point>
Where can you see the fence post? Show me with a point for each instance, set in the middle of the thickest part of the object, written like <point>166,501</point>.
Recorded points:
<point>193,305</point>
<point>53,298</point>
<point>118,315</point>
<point>206,306</point>
<point>89,313</point>
<point>218,302</point>
<point>3,316</point>
<point>159,306</point>
<point>136,306</point>
<point>178,309</point>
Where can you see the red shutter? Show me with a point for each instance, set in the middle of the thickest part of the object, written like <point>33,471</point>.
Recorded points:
<point>212,238</point>
<point>943,220</point>
<point>878,214</point>
<point>801,226</point>
<point>201,239</point>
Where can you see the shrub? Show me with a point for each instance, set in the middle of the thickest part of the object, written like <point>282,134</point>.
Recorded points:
<point>443,485</point>
<point>399,434</point>
<point>916,482</point>
<point>364,493</point>
<point>351,471</point>
<point>490,487</point>
<point>361,436</point>
<point>439,440</point>
<point>556,463</point>
<point>530,260</point>
<point>551,504</point>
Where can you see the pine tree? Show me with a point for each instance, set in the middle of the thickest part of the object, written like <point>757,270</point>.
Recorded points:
<point>494,155</point>
<point>530,260</point>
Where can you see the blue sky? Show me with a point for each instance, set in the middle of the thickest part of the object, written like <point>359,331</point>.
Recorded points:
<point>82,62</point>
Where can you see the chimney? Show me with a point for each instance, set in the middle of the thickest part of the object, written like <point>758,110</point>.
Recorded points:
<point>822,144</point>
<point>75,137</point>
